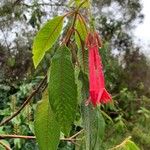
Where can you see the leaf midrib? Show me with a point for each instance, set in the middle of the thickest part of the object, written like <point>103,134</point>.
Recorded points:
<point>53,32</point>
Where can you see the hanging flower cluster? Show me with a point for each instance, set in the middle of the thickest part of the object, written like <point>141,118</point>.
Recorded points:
<point>98,93</point>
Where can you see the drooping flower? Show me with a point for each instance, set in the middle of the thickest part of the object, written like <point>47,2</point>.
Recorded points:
<point>97,92</point>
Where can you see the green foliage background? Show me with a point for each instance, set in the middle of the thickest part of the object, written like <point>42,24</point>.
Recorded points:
<point>127,73</point>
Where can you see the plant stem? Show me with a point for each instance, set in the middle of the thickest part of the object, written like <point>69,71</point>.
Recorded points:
<point>71,30</point>
<point>3,136</point>
<point>76,134</point>
<point>72,138</point>
<point>25,103</point>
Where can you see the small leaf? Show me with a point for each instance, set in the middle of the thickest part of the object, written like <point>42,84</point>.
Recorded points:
<point>70,3</point>
<point>62,88</point>
<point>77,3</point>
<point>131,145</point>
<point>85,5</point>
<point>127,144</point>
<point>46,37</point>
<point>94,126</point>
<point>47,130</point>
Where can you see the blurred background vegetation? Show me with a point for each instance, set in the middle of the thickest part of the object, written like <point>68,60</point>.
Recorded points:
<point>127,69</point>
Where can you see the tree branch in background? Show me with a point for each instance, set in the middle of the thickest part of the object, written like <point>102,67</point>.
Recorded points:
<point>25,103</point>
<point>3,136</point>
<point>71,139</point>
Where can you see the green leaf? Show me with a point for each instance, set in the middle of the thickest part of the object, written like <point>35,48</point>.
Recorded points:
<point>46,38</point>
<point>85,85</point>
<point>81,31</point>
<point>62,88</point>
<point>70,3</point>
<point>80,36</point>
<point>107,116</point>
<point>85,5</point>
<point>127,144</point>
<point>80,144</point>
<point>131,145</point>
<point>77,3</point>
<point>83,59</point>
<point>79,84</point>
<point>47,130</point>
<point>94,126</point>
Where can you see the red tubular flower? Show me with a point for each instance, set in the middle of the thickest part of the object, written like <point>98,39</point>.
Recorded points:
<point>97,91</point>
